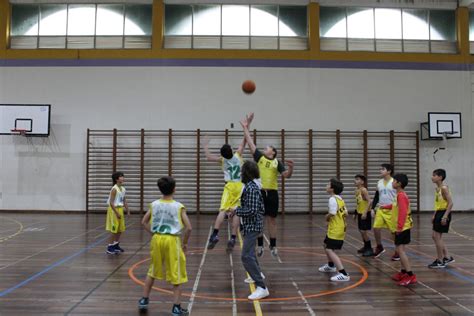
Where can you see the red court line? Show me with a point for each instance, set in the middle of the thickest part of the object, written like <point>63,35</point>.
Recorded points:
<point>364,277</point>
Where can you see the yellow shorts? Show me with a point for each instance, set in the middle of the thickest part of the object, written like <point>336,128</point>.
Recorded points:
<point>166,253</point>
<point>383,219</point>
<point>113,224</point>
<point>231,195</point>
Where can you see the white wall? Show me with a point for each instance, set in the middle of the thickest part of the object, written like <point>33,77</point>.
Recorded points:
<point>50,173</point>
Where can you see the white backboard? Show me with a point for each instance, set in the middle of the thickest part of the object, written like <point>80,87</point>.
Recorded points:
<point>444,122</point>
<point>34,118</point>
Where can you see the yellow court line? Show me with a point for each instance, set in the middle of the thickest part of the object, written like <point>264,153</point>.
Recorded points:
<point>256,303</point>
<point>19,231</point>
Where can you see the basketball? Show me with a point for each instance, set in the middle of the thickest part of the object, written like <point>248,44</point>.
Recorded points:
<point>248,86</point>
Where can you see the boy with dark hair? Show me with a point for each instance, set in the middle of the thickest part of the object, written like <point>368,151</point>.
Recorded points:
<point>441,219</point>
<point>251,214</point>
<point>269,167</point>
<point>334,240</point>
<point>383,217</point>
<point>363,213</point>
<point>167,220</point>
<point>401,227</point>
<point>231,164</point>
<point>115,221</point>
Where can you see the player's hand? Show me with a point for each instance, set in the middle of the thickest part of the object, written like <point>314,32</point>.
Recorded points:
<point>444,221</point>
<point>372,212</point>
<point>364,216</point>
<point>432,219</point>
<point>290,163</point>
<point>250,118</point>
<point>244,123</point>
<point>354,216</point>
<point>185,248</point>
<point>118,215</point>
<point>128,212</point>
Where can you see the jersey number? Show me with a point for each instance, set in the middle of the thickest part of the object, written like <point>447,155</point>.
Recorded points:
<point>234,172</point>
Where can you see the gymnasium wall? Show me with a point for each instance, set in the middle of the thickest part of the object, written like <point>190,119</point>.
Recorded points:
<point>49,173</point>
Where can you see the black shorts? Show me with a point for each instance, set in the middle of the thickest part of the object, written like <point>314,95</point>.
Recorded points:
<point>403,238</point>
<point>437,226</point>
<point>270,200</point>
<point>364,224</point>
<point>333,244</point>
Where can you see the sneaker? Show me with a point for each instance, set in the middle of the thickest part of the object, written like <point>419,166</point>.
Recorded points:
<point>361,250</point>
<point>274,251</point>
<point>143,304</point>
<point>340,278</point>
<point>407,279</point>
<point>230,245</point>
<point>259,293</point>
<point>378,251</point>
<point>111,250</point>
<point>212,242</point>
<point>369,252</point>
<point>118,248</point>
<point>437,264</point>
<point>447,261</point>
<point>395,257</point>
<point>398,276</point>
<point>326,268</point>
<point>249,280</point>
<point>260,250</point>
<point>179,311</point>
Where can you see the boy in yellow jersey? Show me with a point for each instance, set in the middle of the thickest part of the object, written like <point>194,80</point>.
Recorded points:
<point>364,215</point>
<point>441,219</point>
<point>401,227</point>
<point>115,222</point>
<point>231,164</point>
<point>383,217</point>
<point>167,220</point>
<point>336,219</point>
<point>269,167</point>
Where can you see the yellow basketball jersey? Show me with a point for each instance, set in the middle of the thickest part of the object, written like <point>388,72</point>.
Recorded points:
<point>337,223</point>
<point>440,204</point>
<point>268,173</point>
<point>361,203</point>
<point>408,221</point>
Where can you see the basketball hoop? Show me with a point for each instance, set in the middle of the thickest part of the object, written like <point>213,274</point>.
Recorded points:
<point>18,131</point>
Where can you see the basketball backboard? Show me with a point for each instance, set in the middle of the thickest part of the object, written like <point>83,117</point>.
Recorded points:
<point>442,124</point>
<point>33,119</point>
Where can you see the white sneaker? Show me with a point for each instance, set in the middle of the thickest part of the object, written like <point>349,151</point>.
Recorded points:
<point>326,268</point>
<point>249,280</point>
<point>259,293</point>
<point>274,251</point>
<point>340,278</point>
<point>260,251</point>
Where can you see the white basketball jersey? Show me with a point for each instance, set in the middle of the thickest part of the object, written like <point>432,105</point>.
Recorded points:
<point>386,192</point>
<point>231,168</point>
<point>119,196</point>
<point>166,217</point>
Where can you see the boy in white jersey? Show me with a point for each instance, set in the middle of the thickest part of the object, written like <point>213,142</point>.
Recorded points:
<point>383,217</point>
<point>167,220</point>
<point>334,240</point>
<point>231,164</point>
<point>115,222</point>
<point>441,219</point>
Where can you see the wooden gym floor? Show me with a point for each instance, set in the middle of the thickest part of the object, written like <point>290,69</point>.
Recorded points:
<point>55,264</point>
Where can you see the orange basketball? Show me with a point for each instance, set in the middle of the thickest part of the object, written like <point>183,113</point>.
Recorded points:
<point>248,86</point>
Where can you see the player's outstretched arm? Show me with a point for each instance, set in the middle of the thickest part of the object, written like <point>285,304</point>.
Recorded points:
<point>241,148</point>
<point>248,138</point>
<point>289,172</point>
<point>209,156</point>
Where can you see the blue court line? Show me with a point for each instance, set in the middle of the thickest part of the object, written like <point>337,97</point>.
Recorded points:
<point>50,267</point>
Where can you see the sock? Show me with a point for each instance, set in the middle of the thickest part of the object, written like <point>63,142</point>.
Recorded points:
<point>403,271</point>
<point>410,273</point>
<point>331,264</point>
<point>273,242</point>
<point>367,244</point>
<point>214,233</point>
<point>260,241</point>
<point>232,237</point>
<point>343,271</point>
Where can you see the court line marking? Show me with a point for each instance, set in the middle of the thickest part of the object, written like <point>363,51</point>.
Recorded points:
<point>198,275</point>
<point>25,226</point>
<point>256,303</point>
<point>300,293</point>
<point>451,228</point>
<point>420,282</point>
<point>54,246</point>
<point>232,278</point>
<point>19,231</point>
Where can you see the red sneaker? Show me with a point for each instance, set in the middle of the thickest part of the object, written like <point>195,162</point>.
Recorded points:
<point>408,279</point>
<point>398,276</point>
